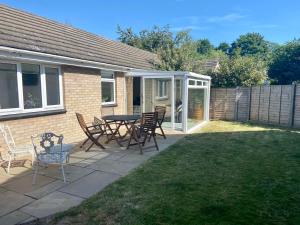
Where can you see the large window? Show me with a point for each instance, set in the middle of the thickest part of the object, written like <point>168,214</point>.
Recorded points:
<point>108,87</point>
<point>9,98</point>
<point>28,87</point>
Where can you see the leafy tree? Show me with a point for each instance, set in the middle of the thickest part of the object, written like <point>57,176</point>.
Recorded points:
<point>204,46</point>
<point>176,52</point>
<point>149,40</point>
<point>285,66</point>
<point>224,47</point>
<point>239,71</point>
<point>127,36</point>
<point>250,44</point>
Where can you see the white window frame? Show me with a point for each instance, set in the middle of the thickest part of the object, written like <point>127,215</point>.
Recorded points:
<point>113,81</point>
<point>45,107</point>
<point>164,90</point>
<point>197,83</point>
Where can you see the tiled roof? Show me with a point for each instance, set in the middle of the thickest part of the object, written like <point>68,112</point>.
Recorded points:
<point>26,31</point>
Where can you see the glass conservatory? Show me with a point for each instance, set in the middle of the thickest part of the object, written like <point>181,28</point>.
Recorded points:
<point>186,96</point>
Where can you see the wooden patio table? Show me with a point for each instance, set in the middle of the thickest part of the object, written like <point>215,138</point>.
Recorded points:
<point>119,120</point>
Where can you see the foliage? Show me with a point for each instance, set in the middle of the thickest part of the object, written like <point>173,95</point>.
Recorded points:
<point>250,44</point>
<point>204,46</point>
<point>224,47</point>
<point>285,66</point>
<point>239,71</point>
<point>230,173</point>
<point>243,63</point>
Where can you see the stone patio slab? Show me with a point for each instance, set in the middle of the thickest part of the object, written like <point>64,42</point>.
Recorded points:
<point>15,217</point>
<point>113,166</point>
<point>24,184</point>
<point>92,160</point>
<point>47,189</point>
<point>90,184</point>
<point>11,201</point>
<point>50,204</point>
<point>72,172</point>
<point>82,155</point>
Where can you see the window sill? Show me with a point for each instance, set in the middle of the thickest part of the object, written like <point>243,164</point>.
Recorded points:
<point>109,105</point>
<point>31,114</point>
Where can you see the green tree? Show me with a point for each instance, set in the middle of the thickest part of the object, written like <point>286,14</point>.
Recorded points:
<point>250,44</point>
<point>176,52</point>
<point>224,47</point>
<point>204,46</point>
<point>285,66</point>
<point>128,37</point>
<point>239,71</point>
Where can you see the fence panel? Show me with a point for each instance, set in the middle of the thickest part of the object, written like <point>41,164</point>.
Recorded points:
<point>297,107</point>
<point>255,99</point>
<point>230,103</point>
<point>286,99</point>
<point>275,104</point>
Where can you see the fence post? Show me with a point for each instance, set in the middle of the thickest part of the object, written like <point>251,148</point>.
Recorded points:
<point>280,102</point>
<point>293,104</point>
<point>270,92</point>
<point>258,108</point>
<point>249,103</point>
<point>236,110</point>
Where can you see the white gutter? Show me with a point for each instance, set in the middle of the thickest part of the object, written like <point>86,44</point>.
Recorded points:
<point>19,54</point>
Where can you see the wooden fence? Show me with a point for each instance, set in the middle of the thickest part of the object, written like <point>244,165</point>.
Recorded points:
<point>273,104</point>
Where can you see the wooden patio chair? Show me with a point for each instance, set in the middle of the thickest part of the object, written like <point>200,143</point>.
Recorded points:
<point>106,127</point>
<point>92,132</point>
<point>161,112</point>
<point>146,128</point>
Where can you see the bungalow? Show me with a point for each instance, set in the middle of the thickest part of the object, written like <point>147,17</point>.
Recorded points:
<point>49,71</point>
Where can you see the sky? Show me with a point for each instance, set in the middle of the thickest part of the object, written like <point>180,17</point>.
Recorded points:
<point>219,21</point>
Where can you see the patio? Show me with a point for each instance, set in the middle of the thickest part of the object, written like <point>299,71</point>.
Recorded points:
<point>87,173</point>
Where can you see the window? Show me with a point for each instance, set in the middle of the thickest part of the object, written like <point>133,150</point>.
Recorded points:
<point>29,88</point>
<point>9,98</point>
<point>108,88</point>
<point>162,89</point>
<point>32,92</point>
<point>52,86</point>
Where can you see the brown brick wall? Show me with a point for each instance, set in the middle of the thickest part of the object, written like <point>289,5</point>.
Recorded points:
<point>82,93</point>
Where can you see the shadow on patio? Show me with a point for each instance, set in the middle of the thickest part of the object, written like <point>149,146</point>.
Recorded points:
<point>87,173</point>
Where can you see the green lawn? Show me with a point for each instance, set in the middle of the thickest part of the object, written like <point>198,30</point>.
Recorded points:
<point>230,173</point>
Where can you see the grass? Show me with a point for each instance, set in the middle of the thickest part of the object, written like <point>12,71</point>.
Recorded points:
<point>230,173</point>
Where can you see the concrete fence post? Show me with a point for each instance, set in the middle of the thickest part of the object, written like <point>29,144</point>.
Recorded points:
<point>293,104</point>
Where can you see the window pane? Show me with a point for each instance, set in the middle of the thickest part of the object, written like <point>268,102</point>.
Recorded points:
<point>8,86</point>
<point>52,86</point>
<point>191,82</point>
<point>199,83</point>
<point>31,86</point>
<point>107,74</point>
<point>107,91</point>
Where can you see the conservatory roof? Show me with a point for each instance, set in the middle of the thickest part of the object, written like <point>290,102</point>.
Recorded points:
<point>159,73</point>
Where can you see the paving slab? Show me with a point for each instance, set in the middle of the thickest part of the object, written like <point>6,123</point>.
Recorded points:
<point>15,217</point>
<point>10,201</point>
<point>135,158</point>
<point>24,184</point>
<point>15,172</point>
<point>113,166</point>
<point>47,189</point>
<point>91,160</point>
<point>90,184</point>
<point>50,204</point>
<point>72,172</point>
<point>81,155</point>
